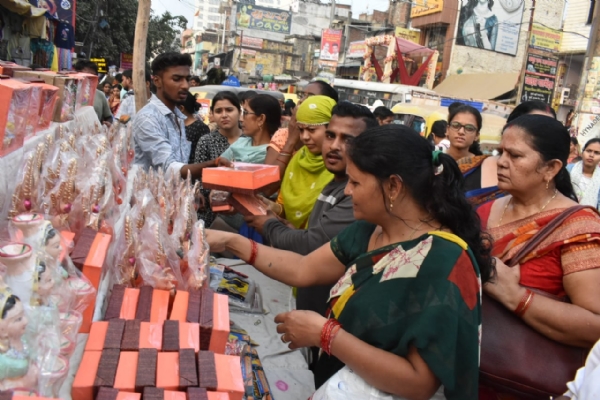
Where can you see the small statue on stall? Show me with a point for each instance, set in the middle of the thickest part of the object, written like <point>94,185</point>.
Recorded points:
<point>20,264</point>
<point>43,287</point>
<point>16,370</point>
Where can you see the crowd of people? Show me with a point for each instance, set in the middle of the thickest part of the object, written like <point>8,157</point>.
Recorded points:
<point>394,241</point>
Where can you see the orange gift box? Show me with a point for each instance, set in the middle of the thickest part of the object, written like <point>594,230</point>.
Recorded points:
<point>151,335</point>
<point>92,269</point>
<point>87,92</point>
<point>33,109</point>
<point>180,306</point>
<point>229,376</point>
<point>129,396</point>
<point>244,178</point>
<point>167,371</point>
<point>218,396</point>
<point>9,68</point>
<point>68,86</point>
<point>129,304</point>
<point>221,324</point>
<point>189,336</point>
<point>49,98</point>
<point>126,371</point>
<point>15,97</point>
<point>83,385</point>
<point>172,395</point>
<point>247,205</point>
<point>160,305</point>
<point>95,341</point>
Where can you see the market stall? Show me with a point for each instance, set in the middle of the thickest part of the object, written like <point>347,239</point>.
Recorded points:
<point>108,266</point>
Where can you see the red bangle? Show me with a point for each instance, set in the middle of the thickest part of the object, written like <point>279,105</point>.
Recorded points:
<point>328,333</point>
<point>524,303</point>
<point>253,252</point>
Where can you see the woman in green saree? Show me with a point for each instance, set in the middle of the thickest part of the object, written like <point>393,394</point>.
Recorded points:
<point>405,312</point>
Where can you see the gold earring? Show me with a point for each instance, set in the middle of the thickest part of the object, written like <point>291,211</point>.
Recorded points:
<point>547,185</point>
<point>391,203</point>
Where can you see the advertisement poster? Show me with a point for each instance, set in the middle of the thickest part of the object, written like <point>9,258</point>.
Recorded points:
<point>540,78</point>
<point>61,9</point>
<point>263,19</point>
<point>330,44</point>
<point>126,61</point>
<point>426,7</point>
<point>490,25</point>
<point>546,39</point>
<point>591,92</point>
<point>356,49</point>
<point>408,34</point>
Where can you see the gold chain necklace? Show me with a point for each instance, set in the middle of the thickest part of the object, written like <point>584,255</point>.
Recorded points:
<point>510,200</point>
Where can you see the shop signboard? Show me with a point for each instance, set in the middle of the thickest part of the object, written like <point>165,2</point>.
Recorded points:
<point>126,61</point>
<point>101,63</point>
<point>263,19</point>
<point>255,43</point>
<point>546,39</point>
<point>356,49</point>
<point>496,29</point>
<point>426,7</point>
<point>408,34</point>
<point>540,78</point>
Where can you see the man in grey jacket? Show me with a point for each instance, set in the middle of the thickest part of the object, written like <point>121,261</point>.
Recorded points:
<point>333,209</point>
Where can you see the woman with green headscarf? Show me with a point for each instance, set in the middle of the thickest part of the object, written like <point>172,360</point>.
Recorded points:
<point>306,175</point>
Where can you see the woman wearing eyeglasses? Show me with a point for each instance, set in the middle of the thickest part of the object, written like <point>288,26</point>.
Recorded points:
<point>479,171</point>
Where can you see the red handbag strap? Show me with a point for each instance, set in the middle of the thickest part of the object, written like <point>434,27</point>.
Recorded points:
<point>543,233</point>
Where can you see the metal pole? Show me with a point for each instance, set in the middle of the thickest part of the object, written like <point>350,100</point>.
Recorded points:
<point>223,33</point>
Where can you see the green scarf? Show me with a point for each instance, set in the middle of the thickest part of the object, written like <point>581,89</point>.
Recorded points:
<point>304,179</point>
<point>315,110</point>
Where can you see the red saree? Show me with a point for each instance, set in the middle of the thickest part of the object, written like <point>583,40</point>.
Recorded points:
<point>572,247</point>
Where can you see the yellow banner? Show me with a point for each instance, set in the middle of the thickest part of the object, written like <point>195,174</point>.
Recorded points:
<point>426,7</point>
<point>547,39</point>
<point>413,36</point>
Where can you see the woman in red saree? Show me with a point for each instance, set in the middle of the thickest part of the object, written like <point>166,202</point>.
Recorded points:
<point>532,170</point>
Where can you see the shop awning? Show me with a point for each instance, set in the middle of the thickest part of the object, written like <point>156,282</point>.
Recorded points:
<point>478,86</point>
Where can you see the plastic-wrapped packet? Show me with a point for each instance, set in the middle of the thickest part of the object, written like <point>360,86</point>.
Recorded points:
<point>33,111</point>
<point>157,260</point>
<point>96,196</point>
<point>27,196</point>
<point>198,258</point>
<point>60,198</point>
<point>69,100</point>
<point>123,269</point>
<point>243,293</point>
<point>49,97</point>
<point>185,216</point>
<point>44,335</point>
